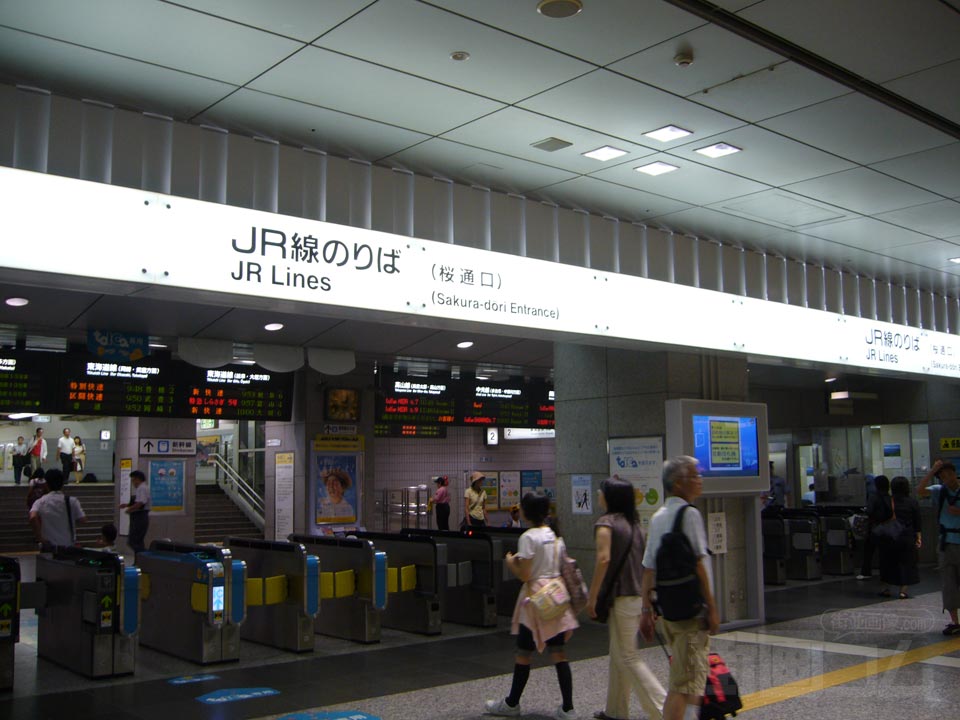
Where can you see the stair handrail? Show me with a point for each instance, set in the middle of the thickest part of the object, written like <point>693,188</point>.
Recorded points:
<point>240,490</point>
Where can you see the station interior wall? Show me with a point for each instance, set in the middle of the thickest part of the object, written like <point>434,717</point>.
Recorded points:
<point>99,452</point>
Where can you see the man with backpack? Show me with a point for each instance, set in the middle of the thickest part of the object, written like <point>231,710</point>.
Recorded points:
<point>55,516</point>
<point>946,500</point>
<point>677,582</point>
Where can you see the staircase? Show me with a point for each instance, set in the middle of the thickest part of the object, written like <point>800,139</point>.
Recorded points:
<point>218,517</point>
<point>98,504</point>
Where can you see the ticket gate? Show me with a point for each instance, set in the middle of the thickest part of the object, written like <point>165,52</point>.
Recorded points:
<point>776,550</point>
<point>838,540</point>
<point>474,573</point>
<point>90,615</point>
<point>283,593</point>
<point>510,584</point>
<point>803,533</point>
<point>353,586</point>
<point>194,601</point>
<point>9,618</point>
<point>416,578</point>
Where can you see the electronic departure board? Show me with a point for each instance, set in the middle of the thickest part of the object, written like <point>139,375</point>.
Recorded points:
<point>23,383</point>
<point>92,387</point>
<point>433,401</point>
<point>409,431</point>
<point>244,393</point>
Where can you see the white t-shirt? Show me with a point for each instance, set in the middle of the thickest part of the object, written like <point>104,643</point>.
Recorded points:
<point>141,494</point>
<point>54,524</point>
<point>65,445</point>
<point>540,545</point>
<point>662,522</point>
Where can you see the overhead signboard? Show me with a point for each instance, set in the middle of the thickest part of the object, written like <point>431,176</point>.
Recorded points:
<point>168,446</point>
<point>238,251</point>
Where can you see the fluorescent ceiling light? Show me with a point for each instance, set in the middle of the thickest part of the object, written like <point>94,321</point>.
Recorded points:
<point>830,379</point>
<point>953,260</point>
<point>668,133</point>
<point>656,168</point>
<point>245,362</point>
<point>273,327</point>
<point>21,416</point>
<point>465,344</point>
<point>17,301</point>
<point>718,150</point>
<point>160,346</point>
<point>483,377</point>
<point>605,153</point>
<point>840,395</point>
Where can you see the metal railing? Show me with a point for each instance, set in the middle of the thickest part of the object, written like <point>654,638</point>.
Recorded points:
<point>238,489</point>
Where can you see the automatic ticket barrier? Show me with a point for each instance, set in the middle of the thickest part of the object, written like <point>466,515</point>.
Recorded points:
<point>510,584</point>
<point>283,593</point>
<point>88,611</point>
<point>416,579</point>
<point>193,601</point>
<point>803,535</point>
<point>838,541</point>
<point>9,618</point>
<point>353,586</point>
<point>474,574</point>
<point>776,549</point>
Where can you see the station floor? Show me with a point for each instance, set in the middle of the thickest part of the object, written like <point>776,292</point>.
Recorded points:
<point>829,649</point>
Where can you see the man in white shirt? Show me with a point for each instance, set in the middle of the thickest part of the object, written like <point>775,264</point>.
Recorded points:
<point>688,640</point>
<point>38,450</point>
<point>54,523</point>
<point>139,511</point>
<point>21,458</point>
<point>65,447</point>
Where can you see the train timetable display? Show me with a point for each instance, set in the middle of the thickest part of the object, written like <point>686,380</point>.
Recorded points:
<point>22,384</point>
<point>145,389</point>
<point>239,394</point>
<point>415,402</point>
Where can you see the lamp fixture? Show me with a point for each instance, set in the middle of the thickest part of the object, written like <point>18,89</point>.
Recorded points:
<point>830,380</point>
<point>668,133</point>
<point>605,153</point>
<point>465,344</point>
<point>559,9</point>
<point>718,150</point>
<point>953,260</point>
<point>17,301</point>
<point>273,327</point>
<point>459,56</point>
<point>656,168</point>
<point>21,415</point>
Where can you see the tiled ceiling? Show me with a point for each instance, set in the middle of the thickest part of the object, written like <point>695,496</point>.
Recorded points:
<point>828,171</point>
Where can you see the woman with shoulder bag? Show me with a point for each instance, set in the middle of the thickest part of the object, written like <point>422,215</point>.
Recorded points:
<point>537,564</point>
<point>898,555</point>
<point>615,596</point>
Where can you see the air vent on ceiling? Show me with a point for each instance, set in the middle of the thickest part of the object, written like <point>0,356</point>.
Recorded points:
<point>784,210</point>
<point>551,144</point>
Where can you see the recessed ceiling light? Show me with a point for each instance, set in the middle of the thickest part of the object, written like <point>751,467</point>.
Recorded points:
<point>459,56</point>
<point>483,377</point>
<point>668,133</point>
<point>273,327</point>
<point>21,416</point>
<point>953,260</point>
<point>559,9</point>
<point>719,150</point>
<point>465,344</point>
<point>17,301</point>
<point>656,168</point>
<point>605,153</point>
<point>159,346</point>
<point>245,362</point>
<point>830,379</point>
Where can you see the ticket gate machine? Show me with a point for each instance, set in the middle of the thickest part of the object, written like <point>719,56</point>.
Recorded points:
<point>283,593</point>
<point>194,601</point>
<point>838,540</point>
<point>91,615</point>
<point>474,573</point>
<point>9,618</point>
<point>510,584</point>
<point>353,586</point>
<point>416,579</point>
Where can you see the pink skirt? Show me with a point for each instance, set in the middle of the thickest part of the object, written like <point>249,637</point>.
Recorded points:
<point>542,630</point>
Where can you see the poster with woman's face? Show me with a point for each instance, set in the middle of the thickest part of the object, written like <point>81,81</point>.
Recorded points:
<point>336,488</point>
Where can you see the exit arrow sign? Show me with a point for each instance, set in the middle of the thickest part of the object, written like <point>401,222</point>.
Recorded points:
<point>106,601</point>
<point>6,609</point>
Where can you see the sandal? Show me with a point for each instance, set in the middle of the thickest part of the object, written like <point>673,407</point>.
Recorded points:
<point>601,715</point>
<point>904,596</point>
<point>884,593</point>
<point>951,629</point>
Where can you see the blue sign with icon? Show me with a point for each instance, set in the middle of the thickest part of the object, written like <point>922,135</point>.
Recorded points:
<point>228,695</point>
<point>187,679</point>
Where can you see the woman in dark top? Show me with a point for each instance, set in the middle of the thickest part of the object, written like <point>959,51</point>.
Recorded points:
<point>617,581</point>
<point>878,511</point>
<point>898,558</point>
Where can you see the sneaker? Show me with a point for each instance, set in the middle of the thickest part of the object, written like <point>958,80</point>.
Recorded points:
<point>565,714</point>
<point>863,577</point>
<point>500,707</point>
<point>951,629</point>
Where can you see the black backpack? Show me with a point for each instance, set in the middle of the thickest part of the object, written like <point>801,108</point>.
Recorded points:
<point>678,586</point>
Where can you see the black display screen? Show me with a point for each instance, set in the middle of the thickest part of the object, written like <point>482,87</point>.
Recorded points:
<point>25,382</point>
<point>409,431</point>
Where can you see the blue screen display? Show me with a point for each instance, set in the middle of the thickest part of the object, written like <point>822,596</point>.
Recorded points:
<point>218,598</point>
<point>726,446</point>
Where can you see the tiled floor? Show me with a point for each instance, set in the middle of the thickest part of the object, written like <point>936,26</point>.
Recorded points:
<point>812,628</point>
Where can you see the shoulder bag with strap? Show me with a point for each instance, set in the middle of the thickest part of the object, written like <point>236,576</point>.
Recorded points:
<point>605,598</point>
<point>552,599</point>
<point>890,529</point>
<point>943,500</point>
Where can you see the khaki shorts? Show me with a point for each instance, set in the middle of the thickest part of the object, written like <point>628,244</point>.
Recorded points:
<point>688,643</point>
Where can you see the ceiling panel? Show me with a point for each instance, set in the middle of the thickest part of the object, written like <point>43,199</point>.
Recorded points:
<point>869,234</point>
<point>388,96</point>
<point>472,165</point>
<point>48,309</point>
<point>148,316</point>
<point>933,253</point>
<point>766,156</point>
<point>718,56</point>
<point>937,169</point>
<point>501,66</point>
<point>774,91</point>
<point>863,191</point>
<point>63,67</point>
<point>444,345</point>
<point>247,324</point>
<point>940,219</point>
<point>372,338</point>
<point>878,40</point>
<point>784,209</point>
<point>625,108</point>
<point>693,183</point>
<point>930,88</point>
<point>301,19</point>
<point>609,198</point>
<point>858,128</point>
<point>524,352</point>
<point>155,32</point>
<point>301,124</point>
<point>512,131</point>
<point>603,32</point>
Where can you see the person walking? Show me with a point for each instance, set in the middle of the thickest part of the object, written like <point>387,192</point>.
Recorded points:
<point>65,446</point>
<point>79,461</point>
<point>687,641</point>
<point>54,516</point>
<point>879,510</point>
<point>537,560</point>
<point>21,458</point>
<point>475,502</point>
<point>898,556</point>
<point>139,511</point>
<point>441,502</point>
<point>617,583</point>
<point>946,501</point>
<point>38,451</point>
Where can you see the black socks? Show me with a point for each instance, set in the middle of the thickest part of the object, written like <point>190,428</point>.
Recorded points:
<point>565,677</point>
<point>521,673</point>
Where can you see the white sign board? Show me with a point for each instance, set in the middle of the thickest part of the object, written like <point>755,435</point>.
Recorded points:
<point>283,496</point>
<point>717,532</point>
<point>268,257</point>
<point>639,460</point>
<point>168,446</point>
<point>509,488</point>
<point>581,494</point>
<point>126,467</point>
<point>528,433</point>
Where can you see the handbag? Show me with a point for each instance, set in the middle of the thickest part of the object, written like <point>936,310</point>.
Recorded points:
<point>552,599</point>
<point>604,600</point>
<point>889,530</point>
<point>573,580</point>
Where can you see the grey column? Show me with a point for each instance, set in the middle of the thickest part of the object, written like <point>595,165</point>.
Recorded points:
<point>31,131</point>
<point>361,194</point>
<point>314,184</point>
<point>443,210</point>
<point>403,202</point>
<point>96,141</point>
<point>157,155</point>
<point>213,164</point>
<point>484,219</point>
<point>266,174</point>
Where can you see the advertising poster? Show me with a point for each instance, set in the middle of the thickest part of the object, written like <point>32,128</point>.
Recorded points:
<point>205,447</point>
<point>582,494</point>
<point>509,489</point>
<point>531,481</point>
<point>283,496</point>
<point>335,482</point>
<point>640,461</point>
<point>491,486</point>
<point>166,478</point>
<point>126,466</point>
<point>891,456</point>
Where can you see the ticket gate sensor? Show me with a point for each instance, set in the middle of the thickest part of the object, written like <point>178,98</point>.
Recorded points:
<point>838,543</point>
<point>283,593</point>
<point>194,601</point>
<point>510,584</point>
<point>353,586</point>
<point>474,572</point>
<point>91,615</point>
<point>416,578</point>
<point>9,618</point>
<point>803,534</point>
